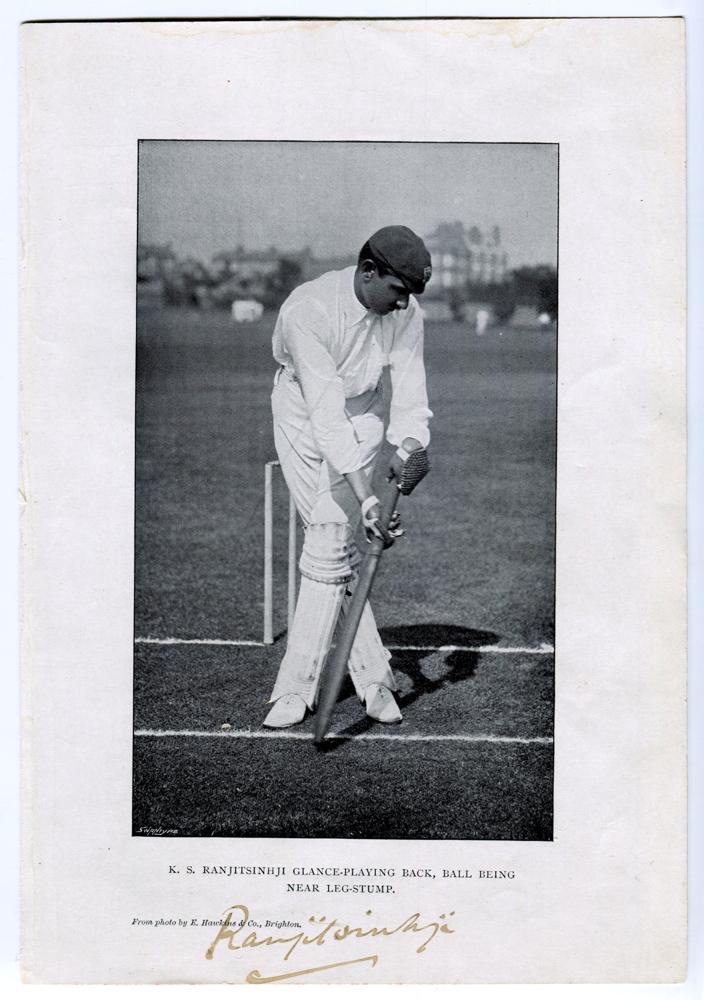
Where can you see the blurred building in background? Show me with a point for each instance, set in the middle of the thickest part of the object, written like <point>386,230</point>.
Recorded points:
<point>471,276</point>
<point>463,254</point>
<point>154,261</point>
<point>155,264</point>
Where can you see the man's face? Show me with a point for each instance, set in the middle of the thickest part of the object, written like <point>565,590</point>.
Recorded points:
<point>384,294</point>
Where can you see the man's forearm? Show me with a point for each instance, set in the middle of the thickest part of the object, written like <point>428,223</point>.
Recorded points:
<point>358,484</point>
<point>358,481</point>
<point>410,444</point>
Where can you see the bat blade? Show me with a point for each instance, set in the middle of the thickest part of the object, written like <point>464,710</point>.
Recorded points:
<point>335,668</point>
<point>415,468</point>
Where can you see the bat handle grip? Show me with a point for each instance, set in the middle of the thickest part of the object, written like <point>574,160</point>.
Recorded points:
<point>388,507</point>
<point>389,503</point>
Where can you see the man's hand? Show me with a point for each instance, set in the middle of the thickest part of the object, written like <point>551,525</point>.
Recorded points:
<point>398,459</point>
<point>395,529</point>
<point>371,519</point>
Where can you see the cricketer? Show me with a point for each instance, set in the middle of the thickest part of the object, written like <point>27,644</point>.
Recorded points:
<point>332,339</point>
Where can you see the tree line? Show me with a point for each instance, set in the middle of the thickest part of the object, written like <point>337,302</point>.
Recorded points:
<point>525,286</point>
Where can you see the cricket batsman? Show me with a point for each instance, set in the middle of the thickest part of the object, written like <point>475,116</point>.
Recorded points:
<point>332,338</point>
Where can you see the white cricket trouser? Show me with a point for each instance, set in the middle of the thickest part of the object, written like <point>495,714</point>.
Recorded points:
<point>323,496</point>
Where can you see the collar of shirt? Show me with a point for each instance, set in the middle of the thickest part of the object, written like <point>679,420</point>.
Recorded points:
<point>352,308</point>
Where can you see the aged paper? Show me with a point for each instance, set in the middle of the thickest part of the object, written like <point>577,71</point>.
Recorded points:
<point>104,902</point>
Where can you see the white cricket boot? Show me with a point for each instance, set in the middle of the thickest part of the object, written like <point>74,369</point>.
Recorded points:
<point>288,710</point>
<point>381,704</point>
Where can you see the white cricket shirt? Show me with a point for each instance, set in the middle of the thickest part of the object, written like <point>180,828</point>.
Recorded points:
<point>336,349</point>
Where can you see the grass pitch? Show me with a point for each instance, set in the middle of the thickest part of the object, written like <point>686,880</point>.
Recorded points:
<point>475,569</point>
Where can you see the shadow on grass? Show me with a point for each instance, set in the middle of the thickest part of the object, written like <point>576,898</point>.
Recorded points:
<point>461,663</point>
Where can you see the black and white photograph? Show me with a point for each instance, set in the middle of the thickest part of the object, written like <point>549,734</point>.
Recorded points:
<point>345,483</point>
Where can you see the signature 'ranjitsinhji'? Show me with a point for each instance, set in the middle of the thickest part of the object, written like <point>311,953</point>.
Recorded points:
<point>234,931</point>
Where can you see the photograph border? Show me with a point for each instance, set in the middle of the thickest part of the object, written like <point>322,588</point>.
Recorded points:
<point>555,468</point>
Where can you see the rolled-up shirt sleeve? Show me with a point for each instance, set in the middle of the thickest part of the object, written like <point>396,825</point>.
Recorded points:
<point>305,331</point>
<point>409,413</point>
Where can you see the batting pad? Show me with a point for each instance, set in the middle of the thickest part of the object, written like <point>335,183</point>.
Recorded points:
<point>326,553</point>
<point>325,573</point>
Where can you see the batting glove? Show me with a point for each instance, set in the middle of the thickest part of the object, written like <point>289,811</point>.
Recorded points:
<point>399,458</point>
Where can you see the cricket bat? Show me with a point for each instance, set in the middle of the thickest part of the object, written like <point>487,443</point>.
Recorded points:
<point>414,469</point>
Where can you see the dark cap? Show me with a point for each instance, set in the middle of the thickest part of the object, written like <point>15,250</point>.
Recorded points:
<point>399,250</point>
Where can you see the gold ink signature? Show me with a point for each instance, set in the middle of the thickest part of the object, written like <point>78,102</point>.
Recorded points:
<point>255,975</point>
<point>234,934</point>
